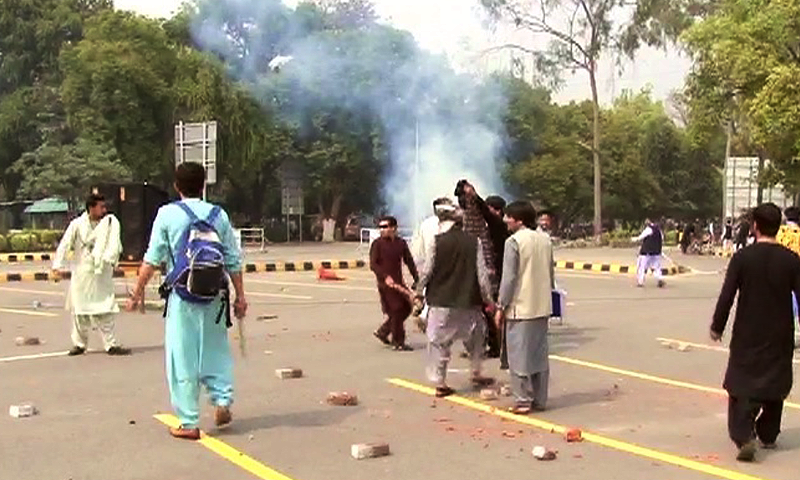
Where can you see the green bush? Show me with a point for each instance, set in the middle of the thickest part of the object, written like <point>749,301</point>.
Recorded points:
<point>3,244</point>
<point>49,239</point>
<point>671,237</point>
<point>21,242</point>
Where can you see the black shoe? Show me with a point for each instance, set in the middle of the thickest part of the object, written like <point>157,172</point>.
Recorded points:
<point>76,351</point>
<point>404,348</point>
<point>747,452</point>
<point>118,351</point>
<point>384,340</point>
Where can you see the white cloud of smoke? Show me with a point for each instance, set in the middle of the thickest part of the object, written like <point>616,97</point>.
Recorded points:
<point>439,126</point>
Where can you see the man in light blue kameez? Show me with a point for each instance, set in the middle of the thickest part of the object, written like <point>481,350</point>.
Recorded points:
<point>196,341</point>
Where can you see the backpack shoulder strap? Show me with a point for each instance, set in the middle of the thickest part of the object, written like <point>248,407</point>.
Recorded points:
<point>213,215</point>
<point>188,211</point>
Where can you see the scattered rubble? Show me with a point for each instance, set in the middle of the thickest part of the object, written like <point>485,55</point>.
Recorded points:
<point>543,453</point>
<point>342,399</point>
<point>22,411</point>
<point>286,373</point>
<point>27,341</point>
<point>262,318</point>
<point>574,435</point>
<point>362,451</point>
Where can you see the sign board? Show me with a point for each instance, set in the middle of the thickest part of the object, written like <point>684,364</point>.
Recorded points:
<point>292,200</point>
<point>197,142</point>
<point>741,187</point>
<point>292,193</point>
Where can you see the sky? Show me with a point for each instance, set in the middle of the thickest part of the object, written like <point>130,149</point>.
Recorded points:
<point>456,28</point>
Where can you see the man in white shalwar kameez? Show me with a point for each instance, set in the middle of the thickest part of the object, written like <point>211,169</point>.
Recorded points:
<point>94,240</point>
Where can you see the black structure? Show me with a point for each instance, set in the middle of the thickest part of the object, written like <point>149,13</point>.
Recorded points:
<point>136,205</point>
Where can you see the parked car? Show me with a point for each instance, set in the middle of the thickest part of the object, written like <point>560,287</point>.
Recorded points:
<point>355,222</point>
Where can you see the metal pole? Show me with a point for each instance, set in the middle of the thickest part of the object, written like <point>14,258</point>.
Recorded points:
<point>416,168</point>
<point>205,159</point>
<point>725,178</point>
<point>288,233</point>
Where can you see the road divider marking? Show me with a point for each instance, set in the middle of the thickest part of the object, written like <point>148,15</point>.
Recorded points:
<point>311,285</point>
<point>702,346</point>
<point>32,313</point>
<point>651,378</point>
<point>602,440</point>
<point>33,292</point>
<point>229,453</point>
<point>279,295</point>
<point>32,357</point>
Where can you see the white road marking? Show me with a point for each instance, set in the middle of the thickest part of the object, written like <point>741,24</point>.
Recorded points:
<point>31,313</point>
<point>279,295</point>
<point>36,356</point>
<point>312,285</point>
<point>36,292</point>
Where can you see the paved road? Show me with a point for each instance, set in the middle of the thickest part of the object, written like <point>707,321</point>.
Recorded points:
<point>353,251</point>
<point>610,376</point>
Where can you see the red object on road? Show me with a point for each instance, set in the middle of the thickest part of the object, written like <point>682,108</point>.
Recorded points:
<point>328,275</point>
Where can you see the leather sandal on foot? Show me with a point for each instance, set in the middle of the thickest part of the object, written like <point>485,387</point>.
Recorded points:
<point>521,409</point>
<point>222,417</point>
<point>384,340</point>
<point>442,392</point>
<point>185,433</point>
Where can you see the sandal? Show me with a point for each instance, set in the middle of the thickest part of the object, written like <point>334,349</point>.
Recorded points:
<point>520,409</point>
<point>442,392</point>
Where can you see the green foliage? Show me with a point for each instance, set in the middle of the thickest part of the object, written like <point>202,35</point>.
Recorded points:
<point>3,244</point>
<point>90,95</point>
<point>69,171</point>
<point>23,242</point>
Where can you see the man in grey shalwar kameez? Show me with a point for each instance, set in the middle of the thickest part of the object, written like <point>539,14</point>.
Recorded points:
<point>456,283</point>
<point>525,302</point>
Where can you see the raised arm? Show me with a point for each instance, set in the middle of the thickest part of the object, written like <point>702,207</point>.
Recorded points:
<point>483,276</point>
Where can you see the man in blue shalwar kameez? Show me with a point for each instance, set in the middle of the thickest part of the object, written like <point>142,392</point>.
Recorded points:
<point>196,343</point>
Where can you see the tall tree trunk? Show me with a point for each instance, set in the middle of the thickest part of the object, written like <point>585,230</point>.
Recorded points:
<point>760,191</point>
<point>598,216</point>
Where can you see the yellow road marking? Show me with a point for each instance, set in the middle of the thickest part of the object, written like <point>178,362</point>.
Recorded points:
<point>31,313</point>
<point>651,378</point>
<point>229,453</point>
<point>703,346</point>
<point>311,285</point>
<point>589,437</point>
<point>279,295</point>
<point>37,292</point>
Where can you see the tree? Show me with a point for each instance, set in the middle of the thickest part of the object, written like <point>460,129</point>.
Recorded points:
<point>69,171</point>
<point>33,34</point>
<point>116,90</point>
<point>745,73</point>
<point>580,31</point>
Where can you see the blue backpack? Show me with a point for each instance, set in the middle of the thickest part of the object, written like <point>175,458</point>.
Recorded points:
<point>198,272</point>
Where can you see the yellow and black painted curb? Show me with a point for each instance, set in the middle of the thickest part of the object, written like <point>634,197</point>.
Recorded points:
<point>612,268</point>
<point>25,257</point>
<point>269,267</point>
<point>303,266</point>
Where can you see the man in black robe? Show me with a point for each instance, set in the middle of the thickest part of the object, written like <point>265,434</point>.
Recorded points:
<point>759,375</point>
